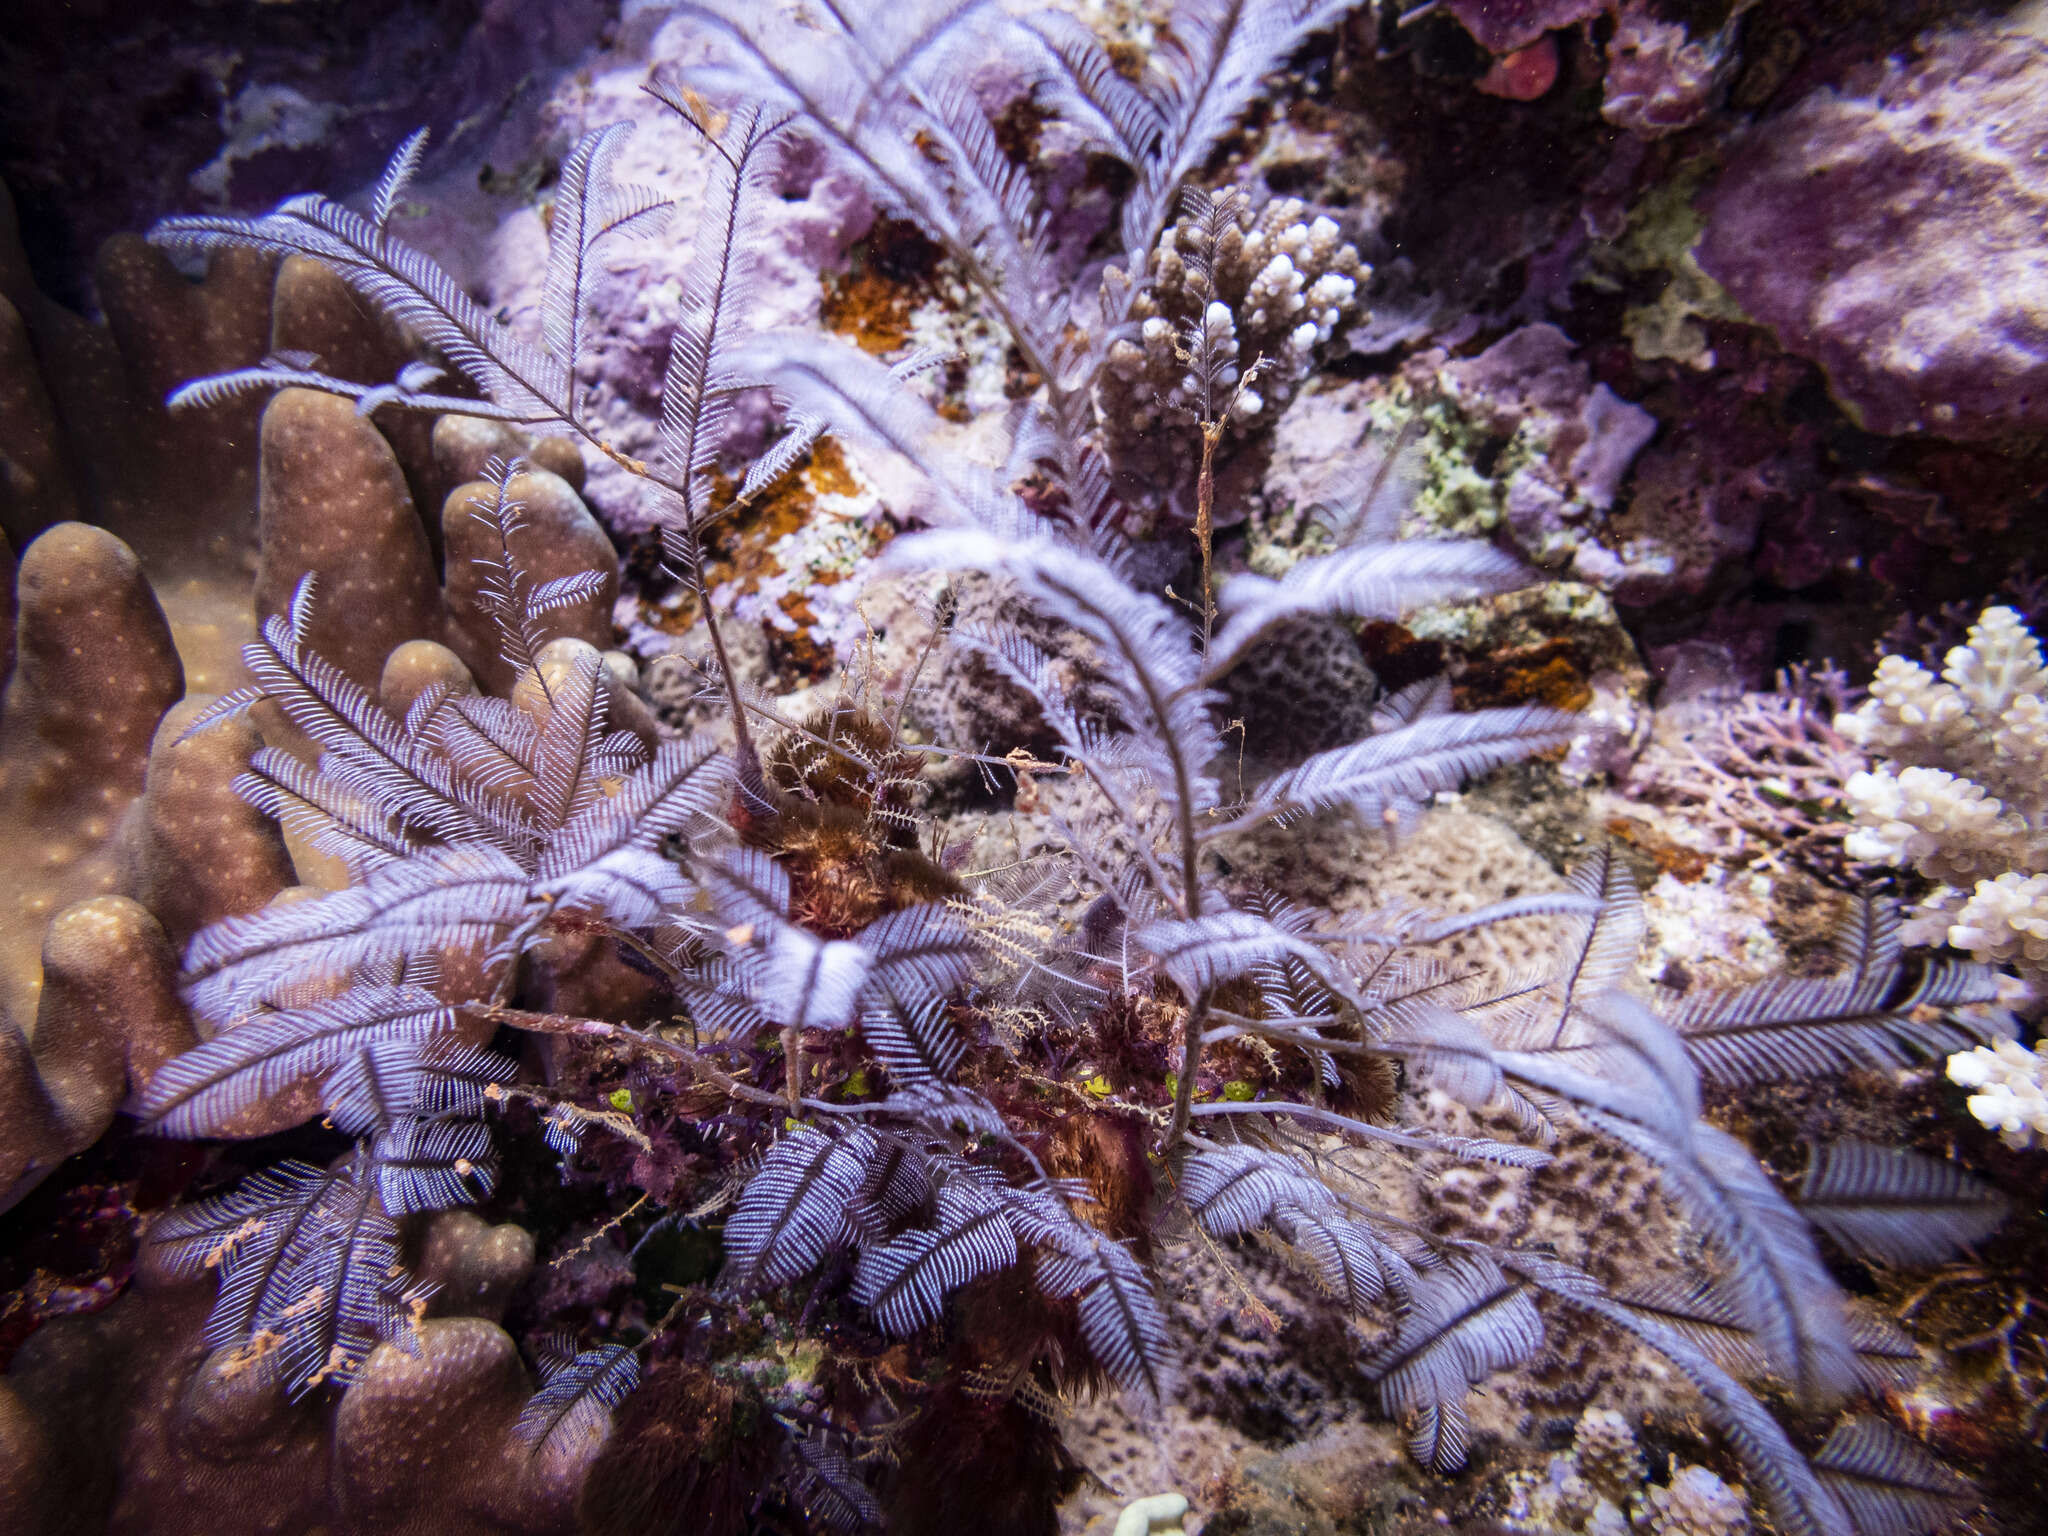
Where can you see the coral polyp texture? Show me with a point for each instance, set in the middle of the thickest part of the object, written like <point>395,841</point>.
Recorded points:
<point>1602,1486</point>
<point>1029,934</point>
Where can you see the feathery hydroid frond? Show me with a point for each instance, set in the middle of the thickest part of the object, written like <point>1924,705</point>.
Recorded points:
<point>199,1092</point>
<point>1799,1502</point>
<point>1233,1190</point>
<point>387,1080</point>
<point>1643,1090</point>
<point>398,175</point>
<point>522,380</point>
<point>366,753</point>
<point>1081,85</point>
<point>1702,1315</point>
<point>433,1165</point>
<point>1776,1275</point>
<point>441,899</point>
<point>1387,775</point>
<point>824,1478</point>
<point>191,1239</point>
<point>1889,1483</point>
<point>309,1270</point>
<point>698,385</point>
<point>576,1398</point>
<point>311,806</point>
<point>504,592</point>
<point>1896,1206</point>
<point>1120,1319</point>
<point>1599,956</point>
<point>1210,68</point>
<point>794,1209</point>
<point>906,1280</point>
<point>1365,498</point>
<point>1199,953</point>
<point>1367,581</point>
<point>589,205</point>
<point>285,371</point>
<point>918,1044</point>
<point>1145,656</point>
<point>1788,1026</point>
<point>1465,1320</point>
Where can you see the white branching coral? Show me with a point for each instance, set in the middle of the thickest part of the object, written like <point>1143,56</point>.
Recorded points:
<point>1959,792</point>
<point>1284,280</point>
<point>2012,1089</point>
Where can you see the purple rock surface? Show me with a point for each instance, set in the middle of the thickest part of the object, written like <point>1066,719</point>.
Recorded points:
<point>1891,230</point>
<point>1594,434</point>
<point>811,215</point>
<point>1502,26</point>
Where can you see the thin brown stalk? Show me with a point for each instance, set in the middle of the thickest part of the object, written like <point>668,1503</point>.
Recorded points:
<point>1205,523</point>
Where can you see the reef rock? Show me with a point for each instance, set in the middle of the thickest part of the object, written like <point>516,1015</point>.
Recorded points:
<point>1891,231</point>
<point>1659,78</point>
<point>1502,26</point>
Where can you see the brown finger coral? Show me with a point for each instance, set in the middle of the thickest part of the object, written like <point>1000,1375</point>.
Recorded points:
<point>128,1419</point>
<point>95,670</point>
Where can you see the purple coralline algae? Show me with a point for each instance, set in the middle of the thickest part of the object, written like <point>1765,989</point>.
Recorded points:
<point>1530,374</point>
<point>1890,230</point>
<point>1530,380</point>
<point>1503,26</point>
<point>818,214</point>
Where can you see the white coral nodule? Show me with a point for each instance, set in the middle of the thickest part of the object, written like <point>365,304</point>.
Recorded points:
<point>2012,1084</point>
